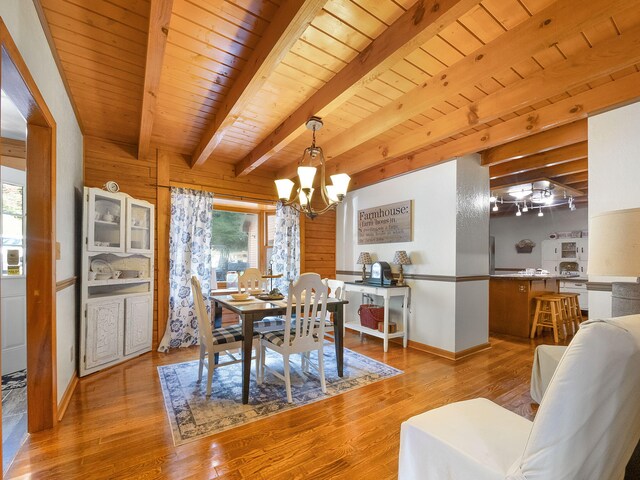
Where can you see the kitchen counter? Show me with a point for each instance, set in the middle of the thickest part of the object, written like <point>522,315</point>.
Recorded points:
<point>511,301</point>
<point>523,276</point>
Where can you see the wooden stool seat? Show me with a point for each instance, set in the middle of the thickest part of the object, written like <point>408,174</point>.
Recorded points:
<point>551,312</point>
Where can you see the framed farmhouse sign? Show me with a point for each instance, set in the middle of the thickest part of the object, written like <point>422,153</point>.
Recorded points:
<point>385,224</point>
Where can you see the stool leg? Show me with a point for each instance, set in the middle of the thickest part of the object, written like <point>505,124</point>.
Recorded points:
<point>535,319</point>
<point>554,319</point>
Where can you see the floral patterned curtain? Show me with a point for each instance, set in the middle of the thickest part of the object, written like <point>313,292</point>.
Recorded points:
<point>286,247</point>
<point>189,254</point>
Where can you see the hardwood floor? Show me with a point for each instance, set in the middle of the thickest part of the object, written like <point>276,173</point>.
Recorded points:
<point>116,426</point>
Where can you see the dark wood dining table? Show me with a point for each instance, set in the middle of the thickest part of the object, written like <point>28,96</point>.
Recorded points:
<point>251,312</point>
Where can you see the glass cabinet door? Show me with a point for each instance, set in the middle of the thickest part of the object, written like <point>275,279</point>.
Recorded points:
<point>105,221</point>
<point>139,226</point>
<point>569,250</point>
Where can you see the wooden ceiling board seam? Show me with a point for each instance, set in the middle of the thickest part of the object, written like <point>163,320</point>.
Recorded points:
<point>96,20</point>
<point>356,17</point>
<point>83,31</point>
<point>116,12</point>
<point>210,37</point>
<point>207,21</point>
<point>98,57</point>
<point>205,50</point>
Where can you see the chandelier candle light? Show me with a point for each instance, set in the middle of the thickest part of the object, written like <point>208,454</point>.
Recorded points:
<point>401,258</point>
<point>364,259</point>
<point>331,194</point>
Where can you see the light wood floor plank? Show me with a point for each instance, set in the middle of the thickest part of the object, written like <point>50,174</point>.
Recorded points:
<point>116,425</point>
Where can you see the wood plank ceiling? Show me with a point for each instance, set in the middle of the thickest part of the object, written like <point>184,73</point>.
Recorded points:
<point>400,84</point>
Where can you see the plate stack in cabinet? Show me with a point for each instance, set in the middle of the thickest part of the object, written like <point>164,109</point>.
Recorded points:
<point>117,279</point>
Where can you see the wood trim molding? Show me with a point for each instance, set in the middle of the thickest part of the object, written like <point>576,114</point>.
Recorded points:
<point>66,283</point>
<point>599,286</point>
<point>66,398</point>
<point>455,356</point>
<point>431,278</point>
<point>17,82</point>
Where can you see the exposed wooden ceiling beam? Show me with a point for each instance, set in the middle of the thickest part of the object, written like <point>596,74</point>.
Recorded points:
<point>605,58</point>
<point>556,22</point>
<point>541,142</point>
<point>570,168</point>
<point>597,99</point>
<point>291,20</point>
<point>580,186</point>
<point>10,147</point>
<point>573,178</point>
<point>413,29</point>
<point>541,160</point>
<point>159,18</point>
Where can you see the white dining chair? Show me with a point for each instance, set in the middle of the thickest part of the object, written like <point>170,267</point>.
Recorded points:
<point>307,299</point>
<point>337,291</point>
<point>217,340</point>
<point>252,279</point>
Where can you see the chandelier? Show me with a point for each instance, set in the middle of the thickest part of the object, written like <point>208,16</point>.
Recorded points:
<point>532,197</point>
<point>332,195</point>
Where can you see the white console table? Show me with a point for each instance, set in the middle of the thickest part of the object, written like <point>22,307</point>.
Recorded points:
<point>386,293</point>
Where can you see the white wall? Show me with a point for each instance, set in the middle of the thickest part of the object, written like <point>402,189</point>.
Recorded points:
<point>450,237</point>
<point>614,178</point>
<point>24,26</point>
<point>510,230</point>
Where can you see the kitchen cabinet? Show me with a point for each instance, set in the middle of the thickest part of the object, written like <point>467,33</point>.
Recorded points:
<point>512,304</point>
<point>117,279</point>
<point>579,287</point>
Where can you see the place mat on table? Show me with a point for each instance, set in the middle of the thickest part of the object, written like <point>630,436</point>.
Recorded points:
<point>248,301</point>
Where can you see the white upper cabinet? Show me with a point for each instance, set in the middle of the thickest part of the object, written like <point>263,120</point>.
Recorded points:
<point>105,221</point>
<point>139,226</point>
<point>550,250</point>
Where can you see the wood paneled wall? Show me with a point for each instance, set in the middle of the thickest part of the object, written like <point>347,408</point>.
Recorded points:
<point>319,249</point>
<point>104,161</point>
<point>150,179</point>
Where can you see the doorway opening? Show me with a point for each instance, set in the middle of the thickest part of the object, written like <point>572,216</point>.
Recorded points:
<point>33,255</point>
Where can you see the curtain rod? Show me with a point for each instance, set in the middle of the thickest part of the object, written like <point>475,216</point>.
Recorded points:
<point>230,196</point>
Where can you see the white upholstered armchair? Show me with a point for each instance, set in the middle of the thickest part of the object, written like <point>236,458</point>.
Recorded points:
<point>586,427</point>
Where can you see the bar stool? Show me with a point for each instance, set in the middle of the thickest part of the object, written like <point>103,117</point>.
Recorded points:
<point>550,312</point>
<point>573,310</point>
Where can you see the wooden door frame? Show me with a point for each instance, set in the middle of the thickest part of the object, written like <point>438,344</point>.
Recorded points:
<point>19,85</point>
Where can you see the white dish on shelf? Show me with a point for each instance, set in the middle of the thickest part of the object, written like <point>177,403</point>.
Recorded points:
<point>101,267</point>
<point>103,276</point>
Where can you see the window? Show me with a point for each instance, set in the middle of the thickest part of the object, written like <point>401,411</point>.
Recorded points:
<point>12,229</point>
<point>235,238</point>
<point>242,237</point>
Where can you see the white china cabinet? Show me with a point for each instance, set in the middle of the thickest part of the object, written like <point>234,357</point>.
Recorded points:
<point>117,279</point>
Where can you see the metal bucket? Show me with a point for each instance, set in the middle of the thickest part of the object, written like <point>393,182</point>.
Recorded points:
<point>625,298</point>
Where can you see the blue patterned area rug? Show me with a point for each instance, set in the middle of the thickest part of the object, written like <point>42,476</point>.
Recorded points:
<point>193,416</point>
